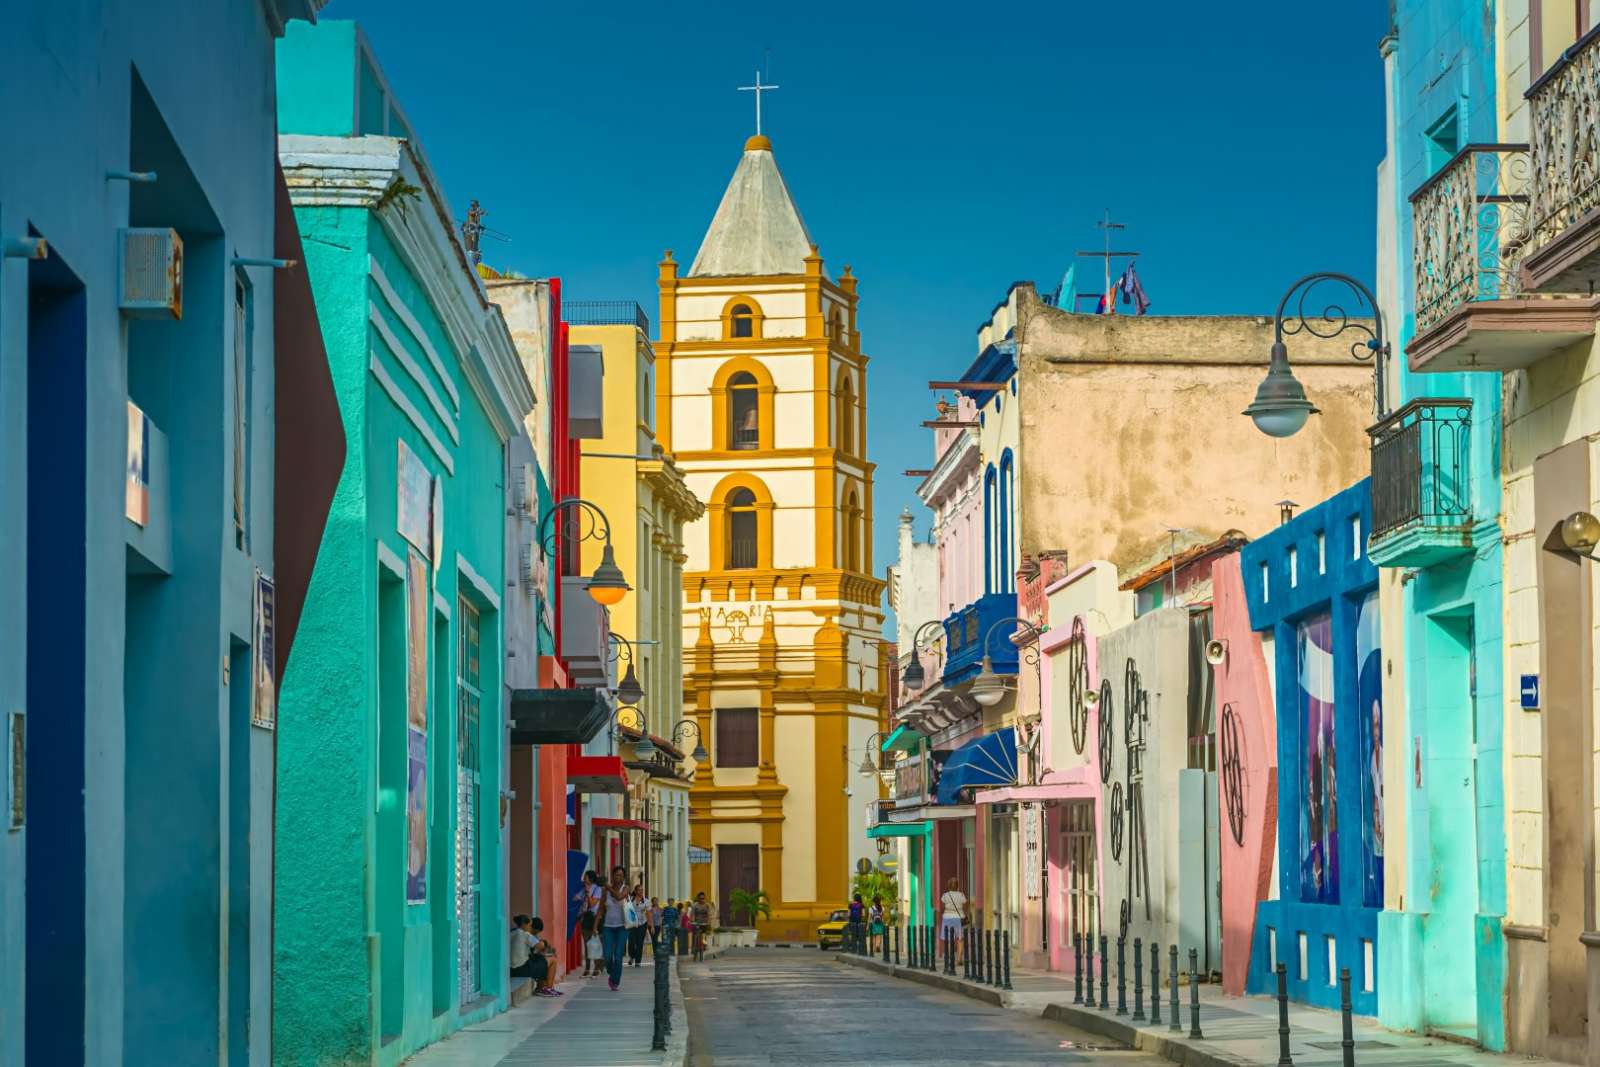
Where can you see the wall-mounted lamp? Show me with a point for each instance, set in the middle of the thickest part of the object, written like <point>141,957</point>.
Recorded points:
<point>1580,532</point>
<point>607,585</point>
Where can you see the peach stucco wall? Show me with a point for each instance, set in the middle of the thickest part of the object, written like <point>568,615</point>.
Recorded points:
<point>1242,682</point>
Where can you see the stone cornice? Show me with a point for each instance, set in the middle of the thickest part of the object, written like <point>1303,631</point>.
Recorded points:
<point>361,172</point>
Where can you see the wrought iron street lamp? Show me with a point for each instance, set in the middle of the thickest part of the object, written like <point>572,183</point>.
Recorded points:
<point>869,766</point>
<point>1281,408</point>
<point>586,522</point>
<point>628,691</point>
<point>680,735</point>
<point>988,688</point>
<point>913,677</point>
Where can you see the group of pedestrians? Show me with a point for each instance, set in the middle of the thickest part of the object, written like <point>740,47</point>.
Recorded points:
<point>614,922</point>
<point>868,923</point>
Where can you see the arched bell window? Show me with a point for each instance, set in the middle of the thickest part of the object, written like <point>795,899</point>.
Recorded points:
<point>852,532</point>
<point>743,321</point>
<point>846,417</point>
<point>744,411</point>
<point>742,535</point>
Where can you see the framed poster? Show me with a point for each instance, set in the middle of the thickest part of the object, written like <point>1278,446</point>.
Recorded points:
<point>17,778</point>
<point>418,589</point>
<point>1319,807</point>
<point>263,664</point>
<point>137,505</point>
<point>414,508</point>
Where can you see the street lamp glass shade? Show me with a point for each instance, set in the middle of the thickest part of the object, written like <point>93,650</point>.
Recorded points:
<point>1280,407</point>
<point>699,755</point>
<point>1580,532</point>
<point>868,768</point>
<point>644,748</point>
<point>630,692</point>
<point>988,688</point>
<point>913,676</point>
<point>607,585</point>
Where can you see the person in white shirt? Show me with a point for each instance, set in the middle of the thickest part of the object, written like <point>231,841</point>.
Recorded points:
<point>953,911</point>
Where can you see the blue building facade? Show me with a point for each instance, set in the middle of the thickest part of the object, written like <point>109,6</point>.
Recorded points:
<point>1436,476</point>
<point>1311,586</point>
<point>140,631</point>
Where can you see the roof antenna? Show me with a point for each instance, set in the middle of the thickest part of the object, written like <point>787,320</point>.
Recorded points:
<point>473,230</point>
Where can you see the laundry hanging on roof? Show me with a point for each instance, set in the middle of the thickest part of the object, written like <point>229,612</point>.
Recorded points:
<point>1067,292</point>
<point>1132,291</point>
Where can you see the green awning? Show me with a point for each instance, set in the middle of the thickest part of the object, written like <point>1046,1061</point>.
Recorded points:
<point>904,739</point>
<point>901,829</point>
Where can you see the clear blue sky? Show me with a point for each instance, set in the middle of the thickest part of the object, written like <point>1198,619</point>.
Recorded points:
<point>943,150</point>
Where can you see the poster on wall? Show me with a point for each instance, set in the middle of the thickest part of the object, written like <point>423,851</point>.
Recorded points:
<point>417,591</point>
<point>1032,859</point>
<point>137,505</point>
<point>263,665</point>
<point>414,507</point>
<point>1319,802</point>
<point>1369,694</point>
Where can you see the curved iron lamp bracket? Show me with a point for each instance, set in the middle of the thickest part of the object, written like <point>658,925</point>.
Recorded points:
<point>582,521</point>
<point>1335,320</point>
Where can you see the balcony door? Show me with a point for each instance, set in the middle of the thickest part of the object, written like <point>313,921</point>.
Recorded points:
<point>738,867</point>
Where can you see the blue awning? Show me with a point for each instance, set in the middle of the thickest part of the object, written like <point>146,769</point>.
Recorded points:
<point>989,760</point>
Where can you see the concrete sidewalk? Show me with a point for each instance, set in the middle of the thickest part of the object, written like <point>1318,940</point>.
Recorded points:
<point>1239,1031</point>
<point>589,1027</point>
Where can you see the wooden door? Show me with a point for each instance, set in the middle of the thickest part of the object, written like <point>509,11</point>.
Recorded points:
<point>738,867</point>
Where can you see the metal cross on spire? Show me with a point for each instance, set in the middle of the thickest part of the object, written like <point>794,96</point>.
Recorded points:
<point>758,89</point>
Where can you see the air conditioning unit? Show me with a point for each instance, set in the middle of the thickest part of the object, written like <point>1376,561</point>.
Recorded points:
<point>527,489</point>
<point>151,272</point>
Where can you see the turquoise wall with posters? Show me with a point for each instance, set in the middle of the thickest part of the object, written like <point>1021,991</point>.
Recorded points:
<point>1443,953</point>
<point>369,955</point>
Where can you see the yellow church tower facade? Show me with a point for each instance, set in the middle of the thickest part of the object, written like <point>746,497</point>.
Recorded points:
<point>761,400</point>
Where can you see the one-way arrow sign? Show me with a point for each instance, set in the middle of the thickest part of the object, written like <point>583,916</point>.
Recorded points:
<point>1530,692</point>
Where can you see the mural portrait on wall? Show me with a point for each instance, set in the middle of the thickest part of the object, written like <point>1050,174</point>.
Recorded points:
<point>1369,693</point>
<point>1319,812</point>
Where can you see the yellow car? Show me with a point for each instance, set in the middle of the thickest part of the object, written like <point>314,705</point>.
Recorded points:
<point>831,933</point>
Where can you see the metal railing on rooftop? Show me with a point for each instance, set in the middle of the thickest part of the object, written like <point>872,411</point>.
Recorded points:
<point>605,313</point>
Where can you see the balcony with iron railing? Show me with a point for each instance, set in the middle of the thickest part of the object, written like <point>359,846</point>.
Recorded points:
<point>1471,226</point>
<point>1422,484</point>
<point>964,632</point>
<point>605,313</point>
<point>1564,193</point>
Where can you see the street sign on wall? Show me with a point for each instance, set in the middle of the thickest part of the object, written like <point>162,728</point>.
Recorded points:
<point>1530,692</point>
<point>699,855</point>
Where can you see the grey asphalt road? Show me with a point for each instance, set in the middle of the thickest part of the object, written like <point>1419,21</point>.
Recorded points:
<point>780,1007</point>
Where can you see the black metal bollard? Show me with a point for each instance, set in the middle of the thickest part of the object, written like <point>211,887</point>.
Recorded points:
<point>1138,979</point>
<point>658,1038</point>
<point>897,944</point>
<point>1122,977</point>
<point>1155,982</point>
<point>1105,971</point>
<point>988,957</point>
<point>666,998</point>
<point>1348,1043</point>
<point>1005,958</point>
<point>1077,968</point>
<point>1194,994</point>
<point>911,944</point>
<point>977,954</point>
<point>884,937</point>
<point>1176,1026</point>
<point>933,953</point>
<point>1284,1059</point>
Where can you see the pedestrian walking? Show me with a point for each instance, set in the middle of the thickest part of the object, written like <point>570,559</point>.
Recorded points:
<point>588,903</point>
<point>640,927</point>
<point>875,919</point>
<point>858,915</point>
<point>614,924</point>
<point>669,927</point>
<point>685,927</point>
<point>655,926</point>
<point>954,912</point>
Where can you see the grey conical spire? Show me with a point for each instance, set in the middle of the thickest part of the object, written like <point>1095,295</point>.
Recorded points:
<point>757,229</point>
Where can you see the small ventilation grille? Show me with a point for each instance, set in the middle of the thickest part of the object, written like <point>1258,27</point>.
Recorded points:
<point>152,273</point>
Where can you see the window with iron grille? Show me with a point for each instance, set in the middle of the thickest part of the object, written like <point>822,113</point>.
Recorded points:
<point>741,529</point>
<point>744,415</point>
<point>737,737</point>
<point>468,785</point>
<point>743,321</point>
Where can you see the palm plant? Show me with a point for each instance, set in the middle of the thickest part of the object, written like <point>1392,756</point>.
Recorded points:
<point>749,903</point>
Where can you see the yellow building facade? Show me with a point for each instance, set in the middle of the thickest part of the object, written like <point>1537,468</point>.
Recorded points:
<point>761,386</point>
<point>644,495</point>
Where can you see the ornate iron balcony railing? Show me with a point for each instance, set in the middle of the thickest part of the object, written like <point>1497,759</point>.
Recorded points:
<point>1469,230</point>
<point>1564,106</point>
<point>964,631</point>
<point>1421,468</point>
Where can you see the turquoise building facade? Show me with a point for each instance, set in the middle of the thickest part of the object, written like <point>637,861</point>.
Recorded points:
<point>390,874</point>
<point>1442,949</point>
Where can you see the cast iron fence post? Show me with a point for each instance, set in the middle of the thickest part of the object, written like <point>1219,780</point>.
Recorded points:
<point>1348,1044</point>
<point>1077,968</point>
<point>1005,958</point>
<point>1122,976</point>
<point>1138,979</point>
<point>1284,1059</point>
<point>1155,983</point>
<point>1176,1026</point>
<point>1194,994</point>
<point>1105,971</point>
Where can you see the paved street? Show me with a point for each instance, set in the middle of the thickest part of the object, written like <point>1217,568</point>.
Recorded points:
<point>800,1006</point>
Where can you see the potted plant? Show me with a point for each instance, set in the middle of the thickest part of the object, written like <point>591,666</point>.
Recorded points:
<point>748,903</point>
